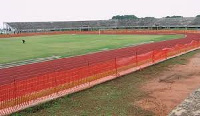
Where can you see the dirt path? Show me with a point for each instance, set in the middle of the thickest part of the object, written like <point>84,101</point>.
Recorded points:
<point>171,87</point>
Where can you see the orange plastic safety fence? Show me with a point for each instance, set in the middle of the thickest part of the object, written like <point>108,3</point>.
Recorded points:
<point>17,94</point>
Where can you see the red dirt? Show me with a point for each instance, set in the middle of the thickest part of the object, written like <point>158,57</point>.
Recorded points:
<point>171,87</point>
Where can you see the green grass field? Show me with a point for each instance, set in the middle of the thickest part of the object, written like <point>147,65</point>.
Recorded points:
<point>12,49</point>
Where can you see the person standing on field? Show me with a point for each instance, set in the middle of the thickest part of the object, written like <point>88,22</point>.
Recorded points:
<point>23,41</point>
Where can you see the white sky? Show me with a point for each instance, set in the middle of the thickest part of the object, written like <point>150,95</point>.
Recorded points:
<point>65,10</point>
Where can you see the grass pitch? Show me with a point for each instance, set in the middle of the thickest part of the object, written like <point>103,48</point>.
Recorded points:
<point>12,49</point>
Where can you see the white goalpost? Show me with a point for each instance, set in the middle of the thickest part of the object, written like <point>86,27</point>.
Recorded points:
<point>100,30</point>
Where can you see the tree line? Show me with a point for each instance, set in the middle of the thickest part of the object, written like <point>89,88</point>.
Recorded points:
<point>128,17</point>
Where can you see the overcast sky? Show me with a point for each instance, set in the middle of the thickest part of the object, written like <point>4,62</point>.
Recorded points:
<point>73,10</point>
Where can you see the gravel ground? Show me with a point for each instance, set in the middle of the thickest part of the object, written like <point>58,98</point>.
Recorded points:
<point>189,107</point>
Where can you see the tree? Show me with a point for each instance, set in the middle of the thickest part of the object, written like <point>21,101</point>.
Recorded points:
<point>198,16</point>
<point>122,17</point>
<point>150,17</point>
<point>174,16</point>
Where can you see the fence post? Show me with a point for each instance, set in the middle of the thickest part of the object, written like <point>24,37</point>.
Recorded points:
<point>116,65</point>
<point>198,43</point>
<point>166,56</point>
<point>56,84</point>
<point>88,65</point>
<point>136,56</point>
<point>153,57</point>
<point>15,91</point>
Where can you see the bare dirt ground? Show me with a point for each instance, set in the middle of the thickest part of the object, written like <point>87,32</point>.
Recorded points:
<point>171,87</point>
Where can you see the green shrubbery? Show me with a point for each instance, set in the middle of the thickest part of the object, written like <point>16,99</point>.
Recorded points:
<point>174,16</point>
<point>121,17</point>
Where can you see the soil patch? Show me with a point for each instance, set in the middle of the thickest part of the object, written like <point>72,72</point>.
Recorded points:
<point>171,87</point>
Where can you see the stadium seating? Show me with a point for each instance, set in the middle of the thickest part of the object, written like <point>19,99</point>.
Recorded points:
<point>175,22</point>
<point>105,24</point>
<point>196,21</point>
<point>137,22</point>
<point>22,26</point>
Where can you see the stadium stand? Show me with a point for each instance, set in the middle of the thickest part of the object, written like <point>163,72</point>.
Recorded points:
<point>39,26</point>
<point>196,21</point>
<point>175,22</point>
<point>143,22</point>
<point>182,22</point>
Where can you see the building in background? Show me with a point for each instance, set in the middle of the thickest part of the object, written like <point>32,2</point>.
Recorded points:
<point>185,23</point>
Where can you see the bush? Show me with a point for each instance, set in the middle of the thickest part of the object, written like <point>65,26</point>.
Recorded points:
<point>121,17</point>
<point>198,16</point>
<point>174,16</point>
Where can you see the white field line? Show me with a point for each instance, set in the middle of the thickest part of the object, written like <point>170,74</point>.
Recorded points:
<point>25,62</point>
